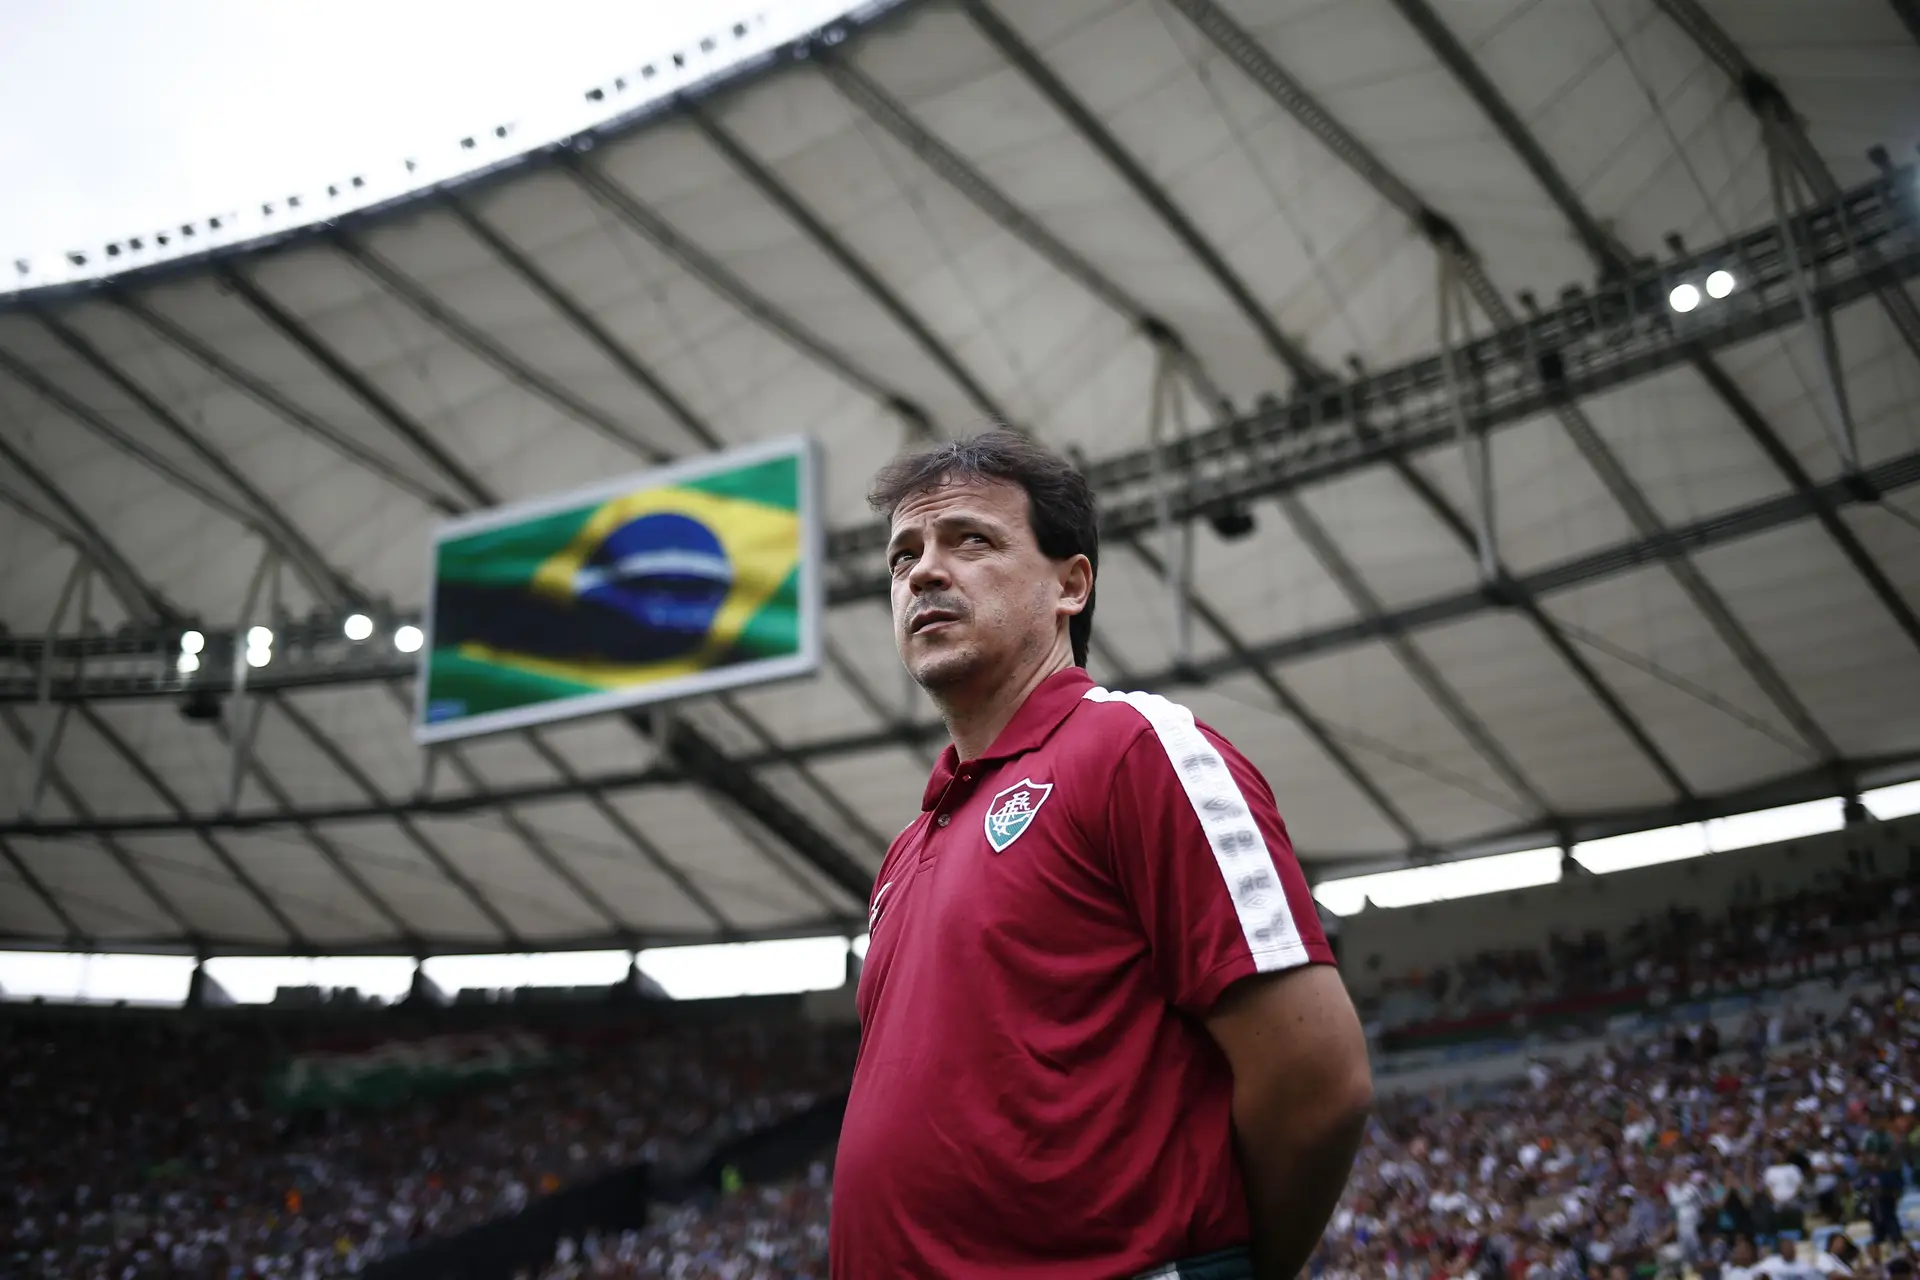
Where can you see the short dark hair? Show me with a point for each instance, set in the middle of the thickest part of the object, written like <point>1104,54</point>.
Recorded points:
<point>1060,504</point>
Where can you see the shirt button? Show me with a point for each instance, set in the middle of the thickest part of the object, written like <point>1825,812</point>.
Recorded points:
<point>943,820</point>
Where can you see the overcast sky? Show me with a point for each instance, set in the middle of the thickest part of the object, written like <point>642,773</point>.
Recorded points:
<point>124,116</point>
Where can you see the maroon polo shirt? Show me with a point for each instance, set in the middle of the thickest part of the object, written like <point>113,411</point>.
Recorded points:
<point>1036,1094</point>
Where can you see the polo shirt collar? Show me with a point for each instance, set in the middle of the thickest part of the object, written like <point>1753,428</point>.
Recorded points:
<point>1031,725</point>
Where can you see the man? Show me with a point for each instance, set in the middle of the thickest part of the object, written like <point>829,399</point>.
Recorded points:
<point>1786,1264</point>
<point>1101,1033</point>
<point>1784,1180</point>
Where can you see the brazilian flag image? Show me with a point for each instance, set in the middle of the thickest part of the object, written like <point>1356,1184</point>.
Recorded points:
<point>650,591</point>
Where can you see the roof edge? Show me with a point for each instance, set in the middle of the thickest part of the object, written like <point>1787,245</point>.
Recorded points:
<point>748,70</point>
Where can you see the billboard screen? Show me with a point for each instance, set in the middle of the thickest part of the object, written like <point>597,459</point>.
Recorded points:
<point>702,576</point>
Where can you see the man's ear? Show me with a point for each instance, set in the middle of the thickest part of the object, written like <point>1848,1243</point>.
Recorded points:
<point>1076,584</point>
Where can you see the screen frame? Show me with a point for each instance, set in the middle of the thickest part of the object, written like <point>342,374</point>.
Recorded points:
<point>806,661</point>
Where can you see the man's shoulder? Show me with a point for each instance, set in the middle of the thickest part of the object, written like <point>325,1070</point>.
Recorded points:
<point>1113,722</point>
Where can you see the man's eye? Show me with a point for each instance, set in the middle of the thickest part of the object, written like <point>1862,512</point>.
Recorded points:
<point>898,558</point>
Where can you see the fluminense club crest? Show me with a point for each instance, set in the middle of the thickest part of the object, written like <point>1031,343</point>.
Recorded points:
<point>1013,810</point>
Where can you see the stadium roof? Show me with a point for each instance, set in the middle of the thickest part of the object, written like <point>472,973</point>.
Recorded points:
<point>1310,263</point>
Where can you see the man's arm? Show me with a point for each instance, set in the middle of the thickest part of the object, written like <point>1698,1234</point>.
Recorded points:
<point>1302,1089</point>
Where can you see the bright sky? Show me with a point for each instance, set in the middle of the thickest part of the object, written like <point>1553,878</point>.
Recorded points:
<point>121,117</point>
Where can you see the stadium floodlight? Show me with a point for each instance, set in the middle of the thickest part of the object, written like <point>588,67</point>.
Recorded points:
<point>359,627</point>
<point>187,663</point>
<point>1684,298</point>
<point>1720,284</point>
<point>259,655</point>
<point>408,639</point>
<point>259,637</point>
<point>192,642</point>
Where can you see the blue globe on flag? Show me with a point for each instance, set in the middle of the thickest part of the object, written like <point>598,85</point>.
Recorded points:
<point>664,571</point>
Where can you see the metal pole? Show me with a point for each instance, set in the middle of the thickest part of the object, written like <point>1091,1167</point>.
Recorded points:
<point>239,724</point>
<point>53,720</point>
<point>1786,189</point>
<point>1474,453</point>
<point>1176,539</point>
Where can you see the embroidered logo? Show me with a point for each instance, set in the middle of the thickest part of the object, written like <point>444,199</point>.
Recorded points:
<point>873,912</point>
<point>1013,810</point>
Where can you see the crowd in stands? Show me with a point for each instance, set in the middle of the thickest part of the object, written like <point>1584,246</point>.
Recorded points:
<point>1777,1143</point>
<point>771,1232</point>
<point>1668,951</point>
<point>150,1148</point>
<point>1670,1157</point>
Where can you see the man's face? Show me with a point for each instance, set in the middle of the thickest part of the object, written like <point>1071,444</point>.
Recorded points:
<point>973,596</point>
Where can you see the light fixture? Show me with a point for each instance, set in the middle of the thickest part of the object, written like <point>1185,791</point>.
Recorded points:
<point>259,655</point>
<point>192,642</point>
<point>1720,284</point>
<point>408,639</point>
<point>359,627</point>
<point>187,663</point>
<point>259,637</point>
<point>1684,298</point>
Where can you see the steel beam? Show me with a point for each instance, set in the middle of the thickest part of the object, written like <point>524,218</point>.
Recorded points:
<point>268,397</point>
<point>356,384</point>
<point>856,268</point>
<point>142,600</point>
<point>1302,715</point>
<point>970,183</point>
<point>328,585</point>
<point>397,418</point>
<point>528,838</point>
<point>1306,371</point>
<point>643,221</point>
<point>1298,361</point>
<point>1170,349</point>
<point>119,440</point>
<point>53,720</point>
<point>1721,529</point>
<point>1459,267</point>
<point>400,285</point>
<point>1771,107</point>
<point>843,812</point>
<point>613,817</point>
<point>576,314</point>
<point>1908,11</point>
<point>325,847</point>
<point>171,799</point>
<point>641,376</point>
<point>699,759</point>
<point>874,102</point>
<point>1817,782</point>
<point>1600,456</point>
<point>774,854</point>
<point>75,935</point>
<point>403,818</point>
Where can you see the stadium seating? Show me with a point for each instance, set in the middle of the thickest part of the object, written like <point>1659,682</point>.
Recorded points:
<point>1637,1099</point>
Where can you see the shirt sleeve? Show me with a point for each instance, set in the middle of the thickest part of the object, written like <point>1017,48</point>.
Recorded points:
<point>1202,855</point>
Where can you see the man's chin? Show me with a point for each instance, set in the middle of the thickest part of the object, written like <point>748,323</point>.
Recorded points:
<point>937,671</point>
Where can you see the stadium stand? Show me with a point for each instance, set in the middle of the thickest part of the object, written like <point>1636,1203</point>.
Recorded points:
<point>154,1143</point>
<point>1644,1133</point>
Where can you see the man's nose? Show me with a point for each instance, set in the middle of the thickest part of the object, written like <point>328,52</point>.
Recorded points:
<point>929,571</point>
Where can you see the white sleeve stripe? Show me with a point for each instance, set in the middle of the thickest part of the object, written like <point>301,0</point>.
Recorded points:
<point>1239,849</point>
